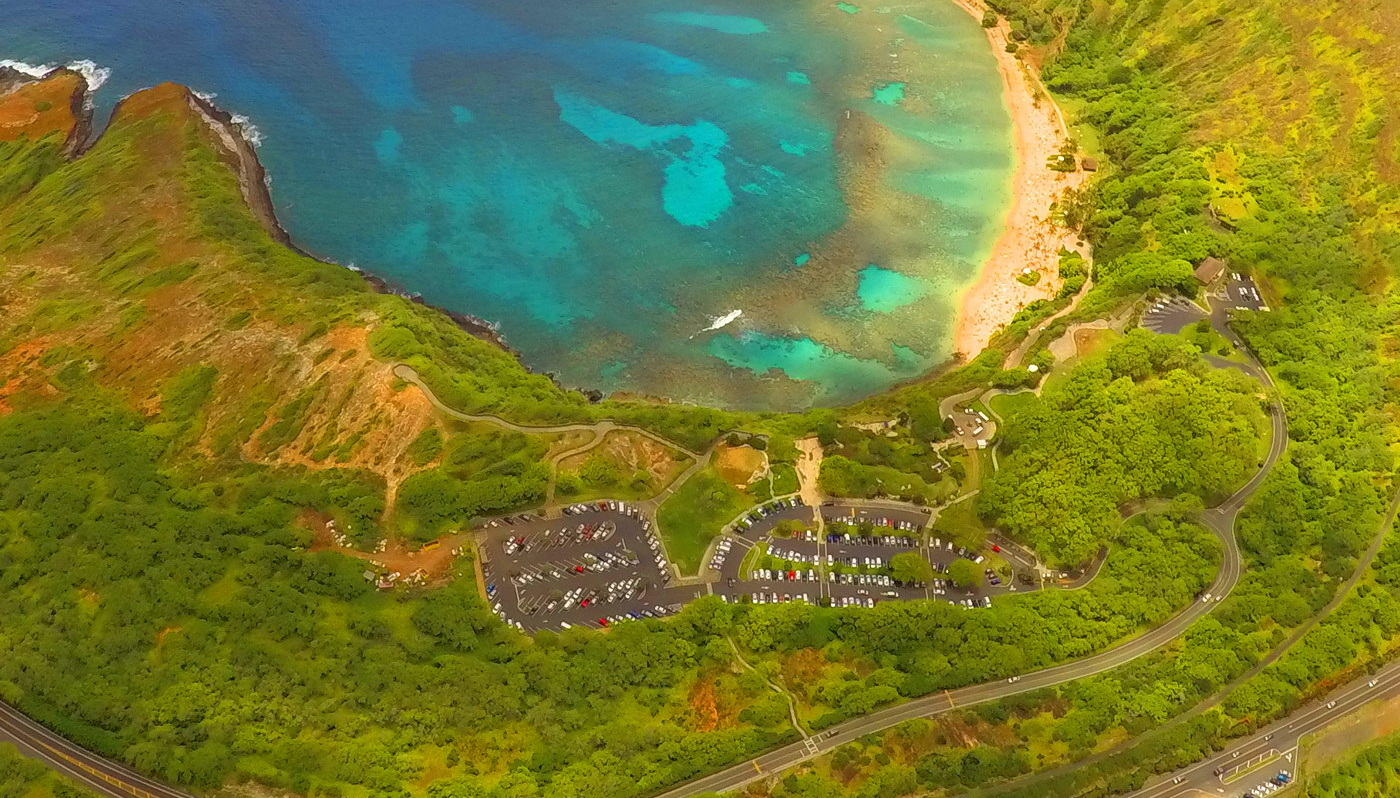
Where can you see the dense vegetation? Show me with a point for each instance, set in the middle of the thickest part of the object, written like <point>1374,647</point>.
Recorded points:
<point>180,625</point>
<point>902,465</point>
<point>1150,420</point>
<point>165,609</point>
<point>1373,773</point>
<point>24,778</point>
<point>483,472</point>
<point>1184,101</point>
<point>193,603</point>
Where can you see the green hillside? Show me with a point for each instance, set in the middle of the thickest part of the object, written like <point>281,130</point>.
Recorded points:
<point>179,390</point>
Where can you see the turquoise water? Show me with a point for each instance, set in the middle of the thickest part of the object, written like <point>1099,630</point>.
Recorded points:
<point>604,182</point>
<point>889,94</point>
<point>882,290</point>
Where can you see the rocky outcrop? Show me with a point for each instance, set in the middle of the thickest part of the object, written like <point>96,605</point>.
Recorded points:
<point>32,107</point>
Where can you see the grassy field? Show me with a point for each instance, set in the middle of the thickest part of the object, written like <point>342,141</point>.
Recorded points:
<point>1007,406</point>
<point>693,515</point>
<point>784,479</point>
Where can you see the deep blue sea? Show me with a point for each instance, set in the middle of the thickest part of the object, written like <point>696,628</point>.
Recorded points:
<point>609,179</point>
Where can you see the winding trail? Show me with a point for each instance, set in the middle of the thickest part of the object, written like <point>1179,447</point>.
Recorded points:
<point>600,430</point>
<point>774,686</point>
<point>1033,335</point>
<point>406,373</point>
<point>114,780</point>
<point>1220,520</point>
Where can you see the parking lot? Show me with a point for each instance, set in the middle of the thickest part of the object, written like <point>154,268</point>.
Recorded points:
<point>598,565</point>
<point>1242,292</point>
<point>847,564</point>
<point>1171,315</point>
<point>602,564</point>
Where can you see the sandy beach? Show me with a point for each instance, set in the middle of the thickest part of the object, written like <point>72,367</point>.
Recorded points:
<point>1029,238</point>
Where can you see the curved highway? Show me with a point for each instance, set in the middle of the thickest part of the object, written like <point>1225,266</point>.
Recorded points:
<point>1220,520</point>
<point>101,776</point>
<point>108,778</point>
<point>1276,746</point>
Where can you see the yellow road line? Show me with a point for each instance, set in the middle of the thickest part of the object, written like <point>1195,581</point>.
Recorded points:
<point>83,766</point>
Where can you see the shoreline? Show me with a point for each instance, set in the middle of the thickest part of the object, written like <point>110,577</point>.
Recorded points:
<point>1025,238</point>
<point>253,180</point>
<point>1028,237</point>
<point>255,183</point>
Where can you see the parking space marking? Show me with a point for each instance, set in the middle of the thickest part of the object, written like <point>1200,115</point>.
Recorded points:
<point>603,564</point>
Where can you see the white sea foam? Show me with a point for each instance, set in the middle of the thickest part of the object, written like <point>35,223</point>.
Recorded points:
<point>247,128</point>
<point>94,75</point>
<point>31,70</point>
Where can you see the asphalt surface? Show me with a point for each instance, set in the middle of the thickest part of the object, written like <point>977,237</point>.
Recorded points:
<point>793,754</point>
<point>1276,744</point>
<point>589,568</point>
<point>933,705</point>
<point>113,780</point>
<point>810,575</point>
<point>1171,315</point>
<point>1220,520</point>
<point>1362,568</point>
<point>1240,291</point>
<point>102,776</point>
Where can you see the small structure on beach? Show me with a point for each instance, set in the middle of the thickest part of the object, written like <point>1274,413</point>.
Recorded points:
<point>1089,164</point>
<point>1210,270</point>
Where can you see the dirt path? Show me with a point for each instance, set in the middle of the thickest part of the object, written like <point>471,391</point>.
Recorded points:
<point>774,686</point>
<point>406,373</point>
<point>809,468</point>
<point>1019,354</point>
<point>554,462</point>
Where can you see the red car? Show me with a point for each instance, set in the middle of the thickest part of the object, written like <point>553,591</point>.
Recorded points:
<point>603,621</point>
<point>996,548</point>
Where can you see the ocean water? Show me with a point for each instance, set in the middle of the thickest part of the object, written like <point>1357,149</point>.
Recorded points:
<point>608,180</point>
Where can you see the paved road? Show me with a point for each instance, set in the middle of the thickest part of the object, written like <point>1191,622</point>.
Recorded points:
<point>929,706</point>
<point>933,705</point>
<point>1363,567</point>
<point>117,781</point>
<point>1220,520</point>
<point>1281,738</point>
<point>102,776</point>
